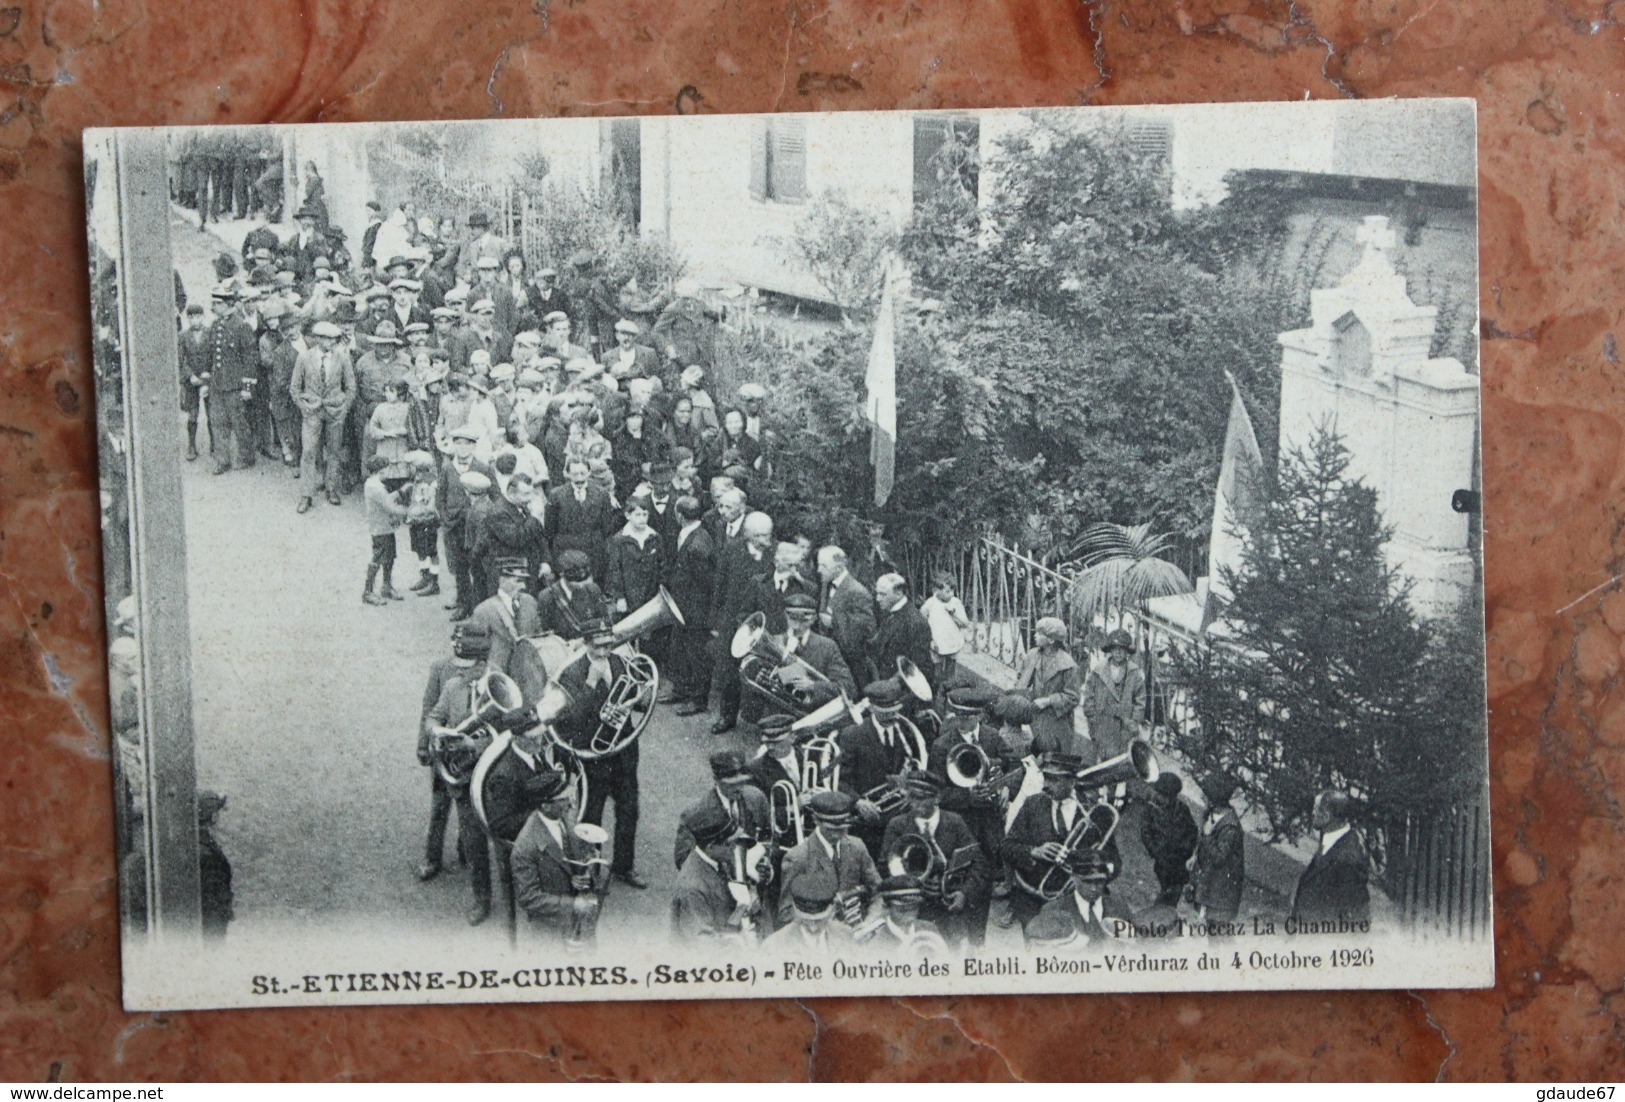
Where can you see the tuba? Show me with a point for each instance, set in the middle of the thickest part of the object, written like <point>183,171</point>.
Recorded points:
<point>1138,762</point>
<point>630,704</point>
<point>760,658</point>
<point>831,713</point>
<point>495,697</point>
<point>1092,830</point>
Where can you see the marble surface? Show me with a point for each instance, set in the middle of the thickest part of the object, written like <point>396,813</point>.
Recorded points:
<point>1546,74</point>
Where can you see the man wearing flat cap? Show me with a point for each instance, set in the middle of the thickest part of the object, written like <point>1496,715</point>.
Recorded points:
<point>1049,676</point>
<point>451,505</point>
<point>830,856</point>
<point>463,657</point>
<point>1085,916</point>
<point>1219,869</point>
<point>1114,697</point>
<point>234,364</point>
<point>479,335</point>
<point>589,680</point>
<point>706,905</point>
<point>899,929</point>
<point>455,705</point>
<point>629,358</point>
<point>555,880</point>
<point>509,614</point>
<point>733,791</point>
<point>815,928</point>
<point>959,908</point>
<point>574,599</point>
<point>1169,834</point>
<point>323,387</point>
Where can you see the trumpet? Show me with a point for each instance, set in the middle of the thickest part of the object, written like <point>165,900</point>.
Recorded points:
<point>888,798</point>
<point>784,813</point>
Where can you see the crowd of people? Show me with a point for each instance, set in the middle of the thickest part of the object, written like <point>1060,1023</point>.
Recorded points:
<point>560,466</point>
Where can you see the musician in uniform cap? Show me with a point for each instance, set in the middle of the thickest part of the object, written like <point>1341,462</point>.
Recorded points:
<point>1084,916</point>
<point>965,735</point>
<point>777,758</point>
<point>959,910</point>
<point>441,670</point>
<point>573,600</point>
<point>234,368</point>
<point>1033,843</point>
<point>455,705</point>
<point>831,855</point>
<point>1219,869</point>
<point>900,929</point>
<point>554,881</point>
<point>816,928</point>
<point>510,614</point>
<point>705,904</point>
<point>874,752</point>
<point>589,680</point>
<point>733,790</point>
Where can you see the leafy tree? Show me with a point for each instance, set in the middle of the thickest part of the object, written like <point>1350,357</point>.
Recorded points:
<point>1321,674</point>
<point>846,248</point>
<point>1122,568</point>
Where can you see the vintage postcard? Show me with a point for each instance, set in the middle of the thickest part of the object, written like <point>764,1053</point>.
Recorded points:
<point>725,556</point>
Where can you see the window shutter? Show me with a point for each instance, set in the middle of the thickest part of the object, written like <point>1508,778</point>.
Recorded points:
<point>789,162</point>
<point>760,136</point>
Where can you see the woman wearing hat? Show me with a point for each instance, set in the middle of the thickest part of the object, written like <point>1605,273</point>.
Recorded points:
<point>1049,676</point>
<point>1219,870</point>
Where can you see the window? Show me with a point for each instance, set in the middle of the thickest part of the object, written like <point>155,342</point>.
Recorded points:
<point>945,159</point>
<point>778,160</point>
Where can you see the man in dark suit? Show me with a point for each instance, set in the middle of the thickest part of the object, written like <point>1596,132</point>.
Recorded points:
<point>629,359</point>
<point>777,759</point>
<point>960,910</point>
<point>731,601</point>
<point>725,520</point>
<point>733,792</point>
<point>901,630</point>
<point>559,891</point>
<point>233,375</point>
<point>573,600</point>
<point>770,588</point>
<point>454,706</point>
<point>481,334</point>
<point>451,506</point>
<point>1219,871</point>
<point>874,752</point>
<point>581,517</point>
<point>846,611</point>
<point>1084,917</point>
<point>800,642</point>
<point>1334,888</point>
<point>509,530</point>
<point>703,907</point>
<point>1169,835</point>
<point>693,573</point>
<point>588,680</point>
<point>510,614</point>
<point>1032,845</point>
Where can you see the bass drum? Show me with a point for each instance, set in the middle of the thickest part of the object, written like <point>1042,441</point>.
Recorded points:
<point>492,804</point>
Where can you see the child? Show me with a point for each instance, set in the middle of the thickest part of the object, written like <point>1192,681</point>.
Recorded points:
<point>423,523</point>
<point>384,514</point>
<point>386,431</point>
<point>945,612</point>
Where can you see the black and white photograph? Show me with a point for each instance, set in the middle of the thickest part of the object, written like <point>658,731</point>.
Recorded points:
<point>723,556</point>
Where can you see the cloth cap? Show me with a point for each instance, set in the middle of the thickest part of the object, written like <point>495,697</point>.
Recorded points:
<point>1119,640</point>
<point>752,392</point>
<point>474,482</point>
<point>832,806</point>
<point>1052,626</point>
<point>418,458</point>
<point>502,371</point>
<point>487,262</point>
<point>1057,764</point>
<point>442,312</point>
<point>397,262</point>
<point>800,602</point>
<point>546,273</point>
<point>276,308</point>
<point>727,765</point>
<point>285,279</point>
<point>885,693</point>
<point>1014,710</point>
<point>901,888</point>
<point>463,432</point>
<point>774,726</point>
<point>530,377</point>
<point>225,292</point>
<point>555,315</point>
<point>326,329</point>
<point>580,258</point>
<point>483,306</point>
<point>417,327</point>
<point>194,308</point>
<point>404,284</point>
<point>385,334</point>
<point>971,699</point>
<point>624,326</point>
<point>545,784</point>
<point>574,566</point>
<point>321,262</point>
<point>457,294</point>
<point>710,824</point>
